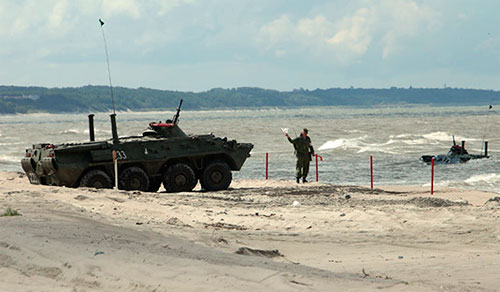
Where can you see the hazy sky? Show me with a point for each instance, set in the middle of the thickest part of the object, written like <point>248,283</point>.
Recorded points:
<point>201,44</point>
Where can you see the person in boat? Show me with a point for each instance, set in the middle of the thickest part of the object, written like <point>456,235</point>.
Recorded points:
<point>304,152</point>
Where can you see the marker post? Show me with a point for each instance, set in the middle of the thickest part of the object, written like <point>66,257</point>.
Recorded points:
<point>432,177</point>
<point>115,163</point>
<point>371,171</point>
<point>317,168</point>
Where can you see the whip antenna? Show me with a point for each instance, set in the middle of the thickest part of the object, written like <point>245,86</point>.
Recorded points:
<point>107,61</point>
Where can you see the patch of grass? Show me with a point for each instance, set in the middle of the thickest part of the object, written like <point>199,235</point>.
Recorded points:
<point>10,212</point>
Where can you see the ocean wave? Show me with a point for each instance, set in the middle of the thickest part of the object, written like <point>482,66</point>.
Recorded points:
<point>82,131</point>
<point>71,131</point>
<point>10,159</point>
<point>334,144</point>
<point>434,138</point>
<point>443,136</point>
<point>489,182</point>
<point>99,131</point>
<point>12,143</point>
<point>405,143</point>
<point>438,136</point>
<point>487,178</point>
<point>402,136</point>
<point>342,143</point>
<point>358,145</point>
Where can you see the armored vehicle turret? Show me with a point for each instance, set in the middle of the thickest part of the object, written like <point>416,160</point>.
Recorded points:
<point>163,154</point>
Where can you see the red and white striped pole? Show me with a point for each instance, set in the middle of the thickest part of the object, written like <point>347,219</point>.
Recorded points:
<point>371,171</point>
<point>432,177</point>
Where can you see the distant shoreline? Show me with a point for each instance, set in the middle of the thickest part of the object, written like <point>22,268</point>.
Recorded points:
<point>19,99</point>
<point>264,108</point>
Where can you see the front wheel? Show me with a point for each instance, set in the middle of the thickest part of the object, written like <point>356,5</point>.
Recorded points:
<point>217,176</point>
<point>96,179</point>
<point>134,179</point>
<point>179,177</point>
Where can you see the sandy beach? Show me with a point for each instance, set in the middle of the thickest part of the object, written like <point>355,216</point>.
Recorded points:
<point>252,237</point>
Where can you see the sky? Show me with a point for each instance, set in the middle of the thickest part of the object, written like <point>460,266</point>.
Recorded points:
<point>196,45</point>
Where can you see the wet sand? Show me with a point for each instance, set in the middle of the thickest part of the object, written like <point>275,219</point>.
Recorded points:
<point>336,238</point>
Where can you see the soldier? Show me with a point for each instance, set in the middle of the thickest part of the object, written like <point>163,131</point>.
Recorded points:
<point>304,152</point>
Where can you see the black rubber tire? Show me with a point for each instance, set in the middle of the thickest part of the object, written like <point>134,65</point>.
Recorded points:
<point>179,177</point>
<point>216,176</point>
<point>96,179</point>
<point>154,184</point>
<point>134,179</point>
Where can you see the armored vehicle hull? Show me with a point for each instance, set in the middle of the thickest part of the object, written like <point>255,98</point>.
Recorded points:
<point>162,155</point>
<point>457,154</point>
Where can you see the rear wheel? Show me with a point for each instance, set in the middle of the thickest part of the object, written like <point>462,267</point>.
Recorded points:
<point>134,179</point>
<point>96,179</point>
<point>179,178</point>
<point>216,176</point>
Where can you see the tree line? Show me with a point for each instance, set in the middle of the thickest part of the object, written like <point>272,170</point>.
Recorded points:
<point>18,99</point>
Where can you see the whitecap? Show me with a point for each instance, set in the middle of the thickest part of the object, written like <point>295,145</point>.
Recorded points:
<point>358,145</point>
<point>10,159</point>
<point>486,178</point>
<point>334,144</point>
<point>443,136</point>
<point>439,136</point>
<point>71,131</point>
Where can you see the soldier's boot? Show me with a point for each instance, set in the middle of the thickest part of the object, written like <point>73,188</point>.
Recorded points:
<point>304,180</point>
<point>298,180</point>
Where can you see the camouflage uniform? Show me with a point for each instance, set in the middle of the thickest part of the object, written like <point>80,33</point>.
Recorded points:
<point>303,150</point>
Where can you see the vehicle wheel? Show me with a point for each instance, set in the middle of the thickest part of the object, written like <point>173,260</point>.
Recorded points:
<point>179,178</point>
<point>154,184</point>
<point>134,179</point>
<point>96,179</point>
<point>216,176</point>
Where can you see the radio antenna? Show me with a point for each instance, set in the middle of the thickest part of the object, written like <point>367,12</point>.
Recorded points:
<point>107,61</point>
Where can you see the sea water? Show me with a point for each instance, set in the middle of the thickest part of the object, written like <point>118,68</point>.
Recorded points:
<point>345,138</point>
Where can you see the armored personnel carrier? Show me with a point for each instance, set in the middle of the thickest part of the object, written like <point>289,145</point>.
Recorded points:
<point>163,154</point>
<point>457,154</point>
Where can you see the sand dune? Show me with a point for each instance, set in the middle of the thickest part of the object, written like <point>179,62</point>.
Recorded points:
<point>338,238</point>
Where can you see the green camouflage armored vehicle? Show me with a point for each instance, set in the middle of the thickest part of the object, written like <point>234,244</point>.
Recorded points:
<point>162,154</point>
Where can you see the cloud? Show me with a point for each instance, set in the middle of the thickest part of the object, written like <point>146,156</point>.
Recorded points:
<point>165,6</point>
<point>58,21</point>
<point>354,34</point>
<point>58,17</point>
<point>283,35</point>
<point>382,25</point>
<point>319,43</point>
<point>276,32</point>
<point>407,19</point>
<point>131,8</point>
<point>60,28</point>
